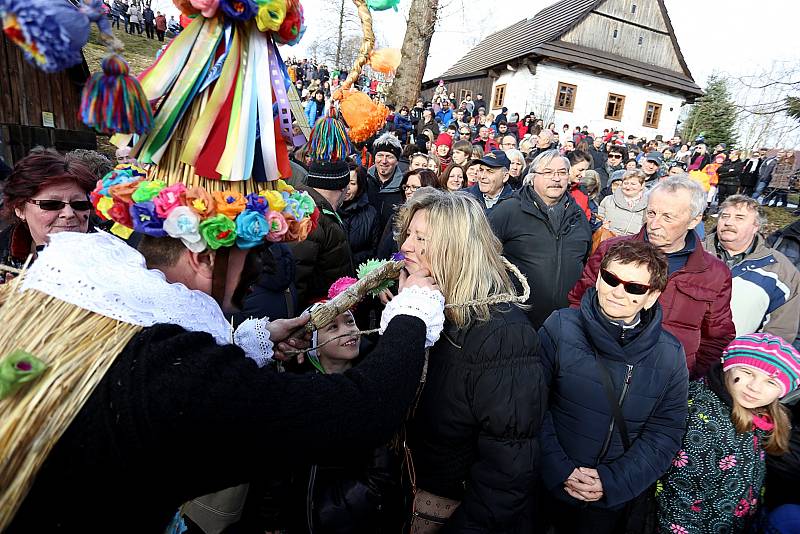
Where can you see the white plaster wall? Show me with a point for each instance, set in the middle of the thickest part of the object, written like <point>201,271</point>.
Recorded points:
<point>526,93</point>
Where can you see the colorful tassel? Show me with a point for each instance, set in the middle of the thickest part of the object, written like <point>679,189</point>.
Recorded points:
<point>329,140</point>
<point>114,101</point>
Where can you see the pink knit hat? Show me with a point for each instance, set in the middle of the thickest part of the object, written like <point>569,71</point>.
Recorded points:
<point>768,354</point>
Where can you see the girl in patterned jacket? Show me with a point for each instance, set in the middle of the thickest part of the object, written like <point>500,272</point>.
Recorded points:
<point>714,483</point>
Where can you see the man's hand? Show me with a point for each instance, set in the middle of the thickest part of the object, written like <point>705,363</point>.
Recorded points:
<point>281,329</point>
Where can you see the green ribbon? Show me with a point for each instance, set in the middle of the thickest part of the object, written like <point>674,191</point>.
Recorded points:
<point>17,369</point>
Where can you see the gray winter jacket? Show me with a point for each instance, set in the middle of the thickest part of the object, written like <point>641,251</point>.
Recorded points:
<point>625,220</point>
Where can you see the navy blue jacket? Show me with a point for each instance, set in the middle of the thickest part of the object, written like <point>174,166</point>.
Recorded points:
<point>579,416</point>
<point>475,191</point>
<point>274,294</point>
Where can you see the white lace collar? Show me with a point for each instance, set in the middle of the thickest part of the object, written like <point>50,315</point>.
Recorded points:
<point>101,273</point>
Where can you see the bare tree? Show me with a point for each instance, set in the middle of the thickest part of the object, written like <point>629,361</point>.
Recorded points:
<point>414,53</point>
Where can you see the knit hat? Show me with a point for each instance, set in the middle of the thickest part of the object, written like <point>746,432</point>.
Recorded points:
<point>766,353</point>
<point>444,139</point>
<point>387,143</point>
<point>328,175</point>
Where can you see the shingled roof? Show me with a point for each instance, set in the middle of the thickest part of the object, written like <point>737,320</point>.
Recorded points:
<point>522,37</point>
<point>540,36</point>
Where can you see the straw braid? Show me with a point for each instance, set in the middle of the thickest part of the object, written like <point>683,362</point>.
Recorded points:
<point>78,347</point>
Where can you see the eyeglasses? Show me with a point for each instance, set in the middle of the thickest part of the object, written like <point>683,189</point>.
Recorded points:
<point>615,156</point>
<point>58,205</point>
<point>465,132</point>
<point>410,188</point>
<point>551,174</point>
<point>634,288</point>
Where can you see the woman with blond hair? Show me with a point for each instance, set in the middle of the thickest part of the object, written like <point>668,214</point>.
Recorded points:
<point>472,442</point>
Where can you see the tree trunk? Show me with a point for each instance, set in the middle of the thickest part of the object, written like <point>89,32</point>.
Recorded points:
<point>340,36</point>
<point>414,53</point>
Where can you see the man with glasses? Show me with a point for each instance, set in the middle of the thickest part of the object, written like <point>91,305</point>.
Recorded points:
<point>545,234</point>
<point>508,142</point>
<point>615,161</point>
<point>465,132</point>
<point>492,186</point>
<point>696,301</point>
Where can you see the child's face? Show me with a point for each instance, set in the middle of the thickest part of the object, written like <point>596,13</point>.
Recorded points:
<point>751,388</point>
<point>344,348</point>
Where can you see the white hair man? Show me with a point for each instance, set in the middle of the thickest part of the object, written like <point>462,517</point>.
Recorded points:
<point>696,301</point>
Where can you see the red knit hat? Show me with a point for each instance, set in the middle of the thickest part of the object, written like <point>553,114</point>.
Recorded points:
<point>444,139</point>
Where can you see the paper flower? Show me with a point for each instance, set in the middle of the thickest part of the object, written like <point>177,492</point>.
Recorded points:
<point>124,191</point>
<point>257,203</point>
<point>298,230</point>
<point>201,202</point>
<point>147,190</point>
<point>146,221</point>
<point>184,224</point>
<point>229,203</point>
<point>282,186</point>
<point>115,177</point>
<point>185,7</point>
<point>251,229</point>
<point>340,286</point>
<point>292,29</point>
<point>207,8</point>
<point>305,203</point>
<point>238,10</point>
<point>293,208</point>
<point>270,15</point>
<point>367,267</point>
<point>277,226</point>
<point>218,231</point>
<point>170,198</point>
<point>314,218</point>
<point>120,213</point>
<point>18,368</point>
<point>102,206</point>
<point>276,200</point>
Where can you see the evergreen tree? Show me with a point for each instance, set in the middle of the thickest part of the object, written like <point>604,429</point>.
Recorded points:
<point>713,115</point>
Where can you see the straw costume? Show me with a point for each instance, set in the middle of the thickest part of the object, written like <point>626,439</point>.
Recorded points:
<point>124,395</point>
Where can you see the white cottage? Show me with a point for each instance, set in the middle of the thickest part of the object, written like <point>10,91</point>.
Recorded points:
<point>601,63</point>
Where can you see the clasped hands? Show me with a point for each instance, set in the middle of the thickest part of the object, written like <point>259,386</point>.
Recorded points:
<point>584,484</point>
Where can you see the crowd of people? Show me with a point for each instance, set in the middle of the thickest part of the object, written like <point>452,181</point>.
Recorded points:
<point>137,17</point>
<point>567,350</point>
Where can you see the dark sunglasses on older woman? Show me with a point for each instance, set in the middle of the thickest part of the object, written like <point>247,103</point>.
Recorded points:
<point>58,205</point>
<point>633,288</point>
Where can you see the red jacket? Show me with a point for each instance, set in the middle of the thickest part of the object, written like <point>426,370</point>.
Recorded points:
<point>581,199</point>
<point>696,303</point>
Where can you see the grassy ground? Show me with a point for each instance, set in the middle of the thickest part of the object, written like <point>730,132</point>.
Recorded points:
<point>140,52</point>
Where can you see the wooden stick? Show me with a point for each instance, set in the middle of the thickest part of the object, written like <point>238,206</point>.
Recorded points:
<point>324,314</point>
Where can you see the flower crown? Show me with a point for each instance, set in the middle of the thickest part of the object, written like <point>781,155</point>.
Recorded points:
<point>201,219</point>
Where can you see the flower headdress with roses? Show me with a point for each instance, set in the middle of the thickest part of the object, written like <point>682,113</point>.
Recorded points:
<point>200,219</point>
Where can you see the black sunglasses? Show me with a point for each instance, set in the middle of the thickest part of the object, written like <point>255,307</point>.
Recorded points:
<point>58,205</point>
<point>634,288</point>
<point>615,156</point>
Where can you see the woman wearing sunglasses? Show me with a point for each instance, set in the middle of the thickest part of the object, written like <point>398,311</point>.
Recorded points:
<point>618,388</point>
<point>46,193</point>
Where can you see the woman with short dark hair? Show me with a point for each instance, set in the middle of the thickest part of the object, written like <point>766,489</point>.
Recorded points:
<point>618,387</point>
<point>45,193</point>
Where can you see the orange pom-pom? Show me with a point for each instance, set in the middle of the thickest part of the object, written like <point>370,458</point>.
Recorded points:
<point>363,116</point>
<point>385,60</point>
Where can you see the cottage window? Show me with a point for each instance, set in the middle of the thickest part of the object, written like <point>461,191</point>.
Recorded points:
<point>463,94</point>
<point>633,9</point>
<point>616,33</point>
<point>652,114</point>
<point>614,106</point>
<point>499,96</point>
<point>565,97</point>
<point>641,40</point>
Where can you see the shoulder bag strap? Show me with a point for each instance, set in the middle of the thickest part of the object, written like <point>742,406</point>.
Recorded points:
<point>612,401</point>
